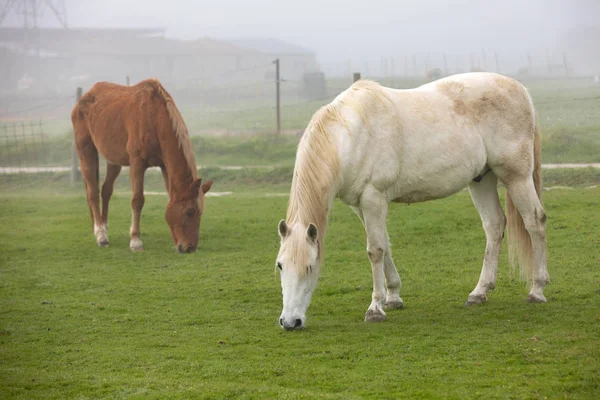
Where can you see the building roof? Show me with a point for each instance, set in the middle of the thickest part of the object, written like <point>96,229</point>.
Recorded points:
<point>126,42</point>
<point>272,46</point>
<point>16,34</point>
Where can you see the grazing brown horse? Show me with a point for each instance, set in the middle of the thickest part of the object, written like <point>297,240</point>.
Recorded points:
<point>138,126</point>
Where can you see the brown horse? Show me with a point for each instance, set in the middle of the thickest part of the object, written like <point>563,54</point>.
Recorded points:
<point>138,126</point>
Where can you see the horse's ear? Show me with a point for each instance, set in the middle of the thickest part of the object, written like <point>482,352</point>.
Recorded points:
<point>284,230</point>
<point>311,233</point>
<point>206,186</point>
<point>195,186</point>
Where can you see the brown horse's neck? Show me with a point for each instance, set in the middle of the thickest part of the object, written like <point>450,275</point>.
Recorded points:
<point>180,174</point>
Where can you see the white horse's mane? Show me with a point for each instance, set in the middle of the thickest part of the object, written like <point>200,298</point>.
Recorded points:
<point>317,168</point>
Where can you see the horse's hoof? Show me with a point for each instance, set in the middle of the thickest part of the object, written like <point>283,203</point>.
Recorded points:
<point>103,243</point>
<point>472,300</point>
<point>395,304</point>
<point>136,245</point>
<point>532,298</point>
<point>374,316</point>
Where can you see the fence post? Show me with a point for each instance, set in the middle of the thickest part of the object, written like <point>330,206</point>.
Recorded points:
<point>278,95</point>
<point>414,60</point>
<point>445,65</point>
<point>127,80</point>
<point>356,76</point>
<point>497,63</point>
<point>483,60</point>
<point>75,174</point>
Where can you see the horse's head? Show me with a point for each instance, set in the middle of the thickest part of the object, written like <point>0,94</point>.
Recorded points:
<point>183,215</point>
<point>299,264</point>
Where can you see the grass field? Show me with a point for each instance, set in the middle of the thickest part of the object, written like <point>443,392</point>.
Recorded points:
<point>77,321</point>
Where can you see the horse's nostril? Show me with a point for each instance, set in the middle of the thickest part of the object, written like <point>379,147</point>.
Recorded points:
<point>280,321</point>
<point>298,323</point>
<point>180,248</point>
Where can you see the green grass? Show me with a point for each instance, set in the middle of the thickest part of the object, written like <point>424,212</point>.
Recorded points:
<point>77,321</point>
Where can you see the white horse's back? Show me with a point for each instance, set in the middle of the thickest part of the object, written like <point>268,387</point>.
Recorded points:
<point>430,142</point>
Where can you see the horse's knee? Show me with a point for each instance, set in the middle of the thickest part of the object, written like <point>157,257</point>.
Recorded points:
<point>495,230</point>
<point>92,195</point>
<point>137,202</point>
<point>536,223</point>
<point>107,191</point>
<point>541,217</point>
<point>376,254</point>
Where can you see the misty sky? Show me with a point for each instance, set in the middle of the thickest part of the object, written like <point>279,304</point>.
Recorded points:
<point>349,29</point>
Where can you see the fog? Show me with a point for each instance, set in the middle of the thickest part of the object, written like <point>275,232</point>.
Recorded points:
<point>216,57</point>
<point>351,31</point>
<point>219,54</point>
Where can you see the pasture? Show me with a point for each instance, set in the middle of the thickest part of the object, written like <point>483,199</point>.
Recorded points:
<point>78,321</point>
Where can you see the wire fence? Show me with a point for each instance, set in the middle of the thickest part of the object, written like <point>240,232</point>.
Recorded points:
<point>37,132</point>
<point>23,144</point>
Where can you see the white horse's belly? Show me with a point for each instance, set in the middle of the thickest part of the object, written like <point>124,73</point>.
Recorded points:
<point>428,168</point>
<point>442,174</point>
<point>427,188</point>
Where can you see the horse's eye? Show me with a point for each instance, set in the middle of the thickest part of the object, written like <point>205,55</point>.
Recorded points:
<point>279,266</point>
<point>189,212</point>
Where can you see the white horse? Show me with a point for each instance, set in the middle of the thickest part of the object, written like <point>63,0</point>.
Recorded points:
<point>375,145</point>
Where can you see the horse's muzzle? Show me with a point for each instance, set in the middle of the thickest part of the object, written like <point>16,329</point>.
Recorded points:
<point>185,249</point>
<point>291,325</point>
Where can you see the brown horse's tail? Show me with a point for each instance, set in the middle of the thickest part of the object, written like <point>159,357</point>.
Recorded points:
<point>177,123</point>
<point>520,250</point>
<point>80,129</point>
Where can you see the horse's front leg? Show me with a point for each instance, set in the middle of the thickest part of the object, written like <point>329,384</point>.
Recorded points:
<point>374,210</point>
<point>392,279</point>
<point>136,174</point>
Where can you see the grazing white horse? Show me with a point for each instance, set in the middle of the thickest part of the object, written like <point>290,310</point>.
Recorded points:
<point>375,145</point>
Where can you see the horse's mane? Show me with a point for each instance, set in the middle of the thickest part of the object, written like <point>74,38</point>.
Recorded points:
<point>316,170</point>
<point>179,128</point>
<point>317,164</point>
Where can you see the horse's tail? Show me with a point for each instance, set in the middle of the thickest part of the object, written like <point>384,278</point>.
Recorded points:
<point>520,250</point>
<point>177,123</point>
<point>80,128</point>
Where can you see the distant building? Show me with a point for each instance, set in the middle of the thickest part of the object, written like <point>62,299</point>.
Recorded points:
<point>56,60</point>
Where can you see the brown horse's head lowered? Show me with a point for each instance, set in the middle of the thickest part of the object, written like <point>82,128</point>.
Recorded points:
<point>183,215</point>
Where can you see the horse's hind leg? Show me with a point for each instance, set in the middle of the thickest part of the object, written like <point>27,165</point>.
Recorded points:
<point>392,282</point>
<point>524,196</point>
<point>392,278</point>
<point>136,174</point>
<point>88,159</point>
<point>485,198</point>
<point>112,172</point>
